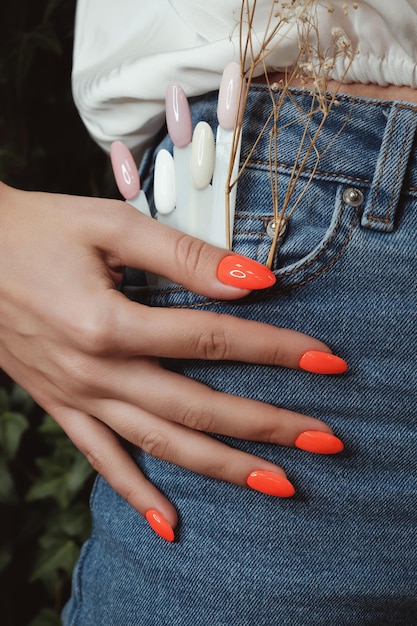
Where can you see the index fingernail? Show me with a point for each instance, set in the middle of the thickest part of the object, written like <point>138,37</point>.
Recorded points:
<point>239,271</point>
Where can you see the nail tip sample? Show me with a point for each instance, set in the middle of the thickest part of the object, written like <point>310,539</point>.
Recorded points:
<point>229,95</point>
<point>178,115</point>
<point>202,155</point>
<point>318,362</point>
<point>164,182</point>
<point>125,170</point>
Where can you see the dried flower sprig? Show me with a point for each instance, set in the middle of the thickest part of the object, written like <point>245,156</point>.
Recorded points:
<point>312,68</point>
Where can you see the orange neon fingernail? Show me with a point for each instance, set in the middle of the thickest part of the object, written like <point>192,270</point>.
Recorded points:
<point>160,525</point>
<point>319,362</point>
<point>270,483</point>
<point>319,442</point>
<point>239,271</point>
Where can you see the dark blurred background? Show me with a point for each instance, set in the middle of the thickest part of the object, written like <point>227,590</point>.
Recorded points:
<point>43,144</point>
<point>44,481</point>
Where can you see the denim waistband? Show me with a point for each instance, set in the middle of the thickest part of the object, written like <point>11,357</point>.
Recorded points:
<point>367,143</point>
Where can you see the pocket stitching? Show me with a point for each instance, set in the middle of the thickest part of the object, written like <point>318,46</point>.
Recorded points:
<point>271,293</point>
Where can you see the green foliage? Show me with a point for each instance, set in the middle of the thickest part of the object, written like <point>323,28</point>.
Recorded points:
<point>13,424</point>
<point>52,481</point>
<point>44,511</point>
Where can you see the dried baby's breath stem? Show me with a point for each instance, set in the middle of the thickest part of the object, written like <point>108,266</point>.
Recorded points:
<point>249,61</point>
<point>312,67</point>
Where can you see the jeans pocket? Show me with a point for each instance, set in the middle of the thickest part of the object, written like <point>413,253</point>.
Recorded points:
<point>316,237</point>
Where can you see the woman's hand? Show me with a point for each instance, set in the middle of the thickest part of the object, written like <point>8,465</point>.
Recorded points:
<point>89,356</point>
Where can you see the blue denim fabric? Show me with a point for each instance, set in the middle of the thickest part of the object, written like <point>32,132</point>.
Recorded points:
<point>343,549</point>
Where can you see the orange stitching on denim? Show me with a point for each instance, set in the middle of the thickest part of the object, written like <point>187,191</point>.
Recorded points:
<point>348,99</point>
<point>317,172</point>
<point>320,252</point>
<point>316,274</point>
<point>332,261</point>
<point>384,160</point>
<point>260,231</point>
<point>250,232</point>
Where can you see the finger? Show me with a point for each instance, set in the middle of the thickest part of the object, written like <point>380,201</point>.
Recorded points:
<point>212,336</point>
<point>197,406</point>
<point>192,450</point>
<point>132,329</point>
<point>146,244</point>
<point>107,456</point>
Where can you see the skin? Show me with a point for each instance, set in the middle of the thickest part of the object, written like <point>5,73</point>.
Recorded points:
<point>89,356</point>
<point>387,92</point>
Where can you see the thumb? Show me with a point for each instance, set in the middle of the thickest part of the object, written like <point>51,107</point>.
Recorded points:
<point>193,263</point>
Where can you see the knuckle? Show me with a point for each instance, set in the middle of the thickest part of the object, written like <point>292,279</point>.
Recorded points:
<point>212,345</point>
<point>82,372</point>
<point>277,355</point>
<point>95,458</point>
<point>129,493</point>
<point>270,435</point>
<point>94,334</point>
<point>219,470</point>
<point>193,251</point>
<point>198,417</point>
<point>156,443</point>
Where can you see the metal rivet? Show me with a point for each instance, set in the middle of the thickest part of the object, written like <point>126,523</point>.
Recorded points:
<point>352,196</point>
<point>270,229</point>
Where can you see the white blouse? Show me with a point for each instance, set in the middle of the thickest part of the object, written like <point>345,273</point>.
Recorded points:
<point>127,51</point>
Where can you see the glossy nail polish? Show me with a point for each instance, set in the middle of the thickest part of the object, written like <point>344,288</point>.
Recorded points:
<point>164,183</point>
<point>178,116</point>
<point>125,170</point>
<point>159,524</point>
<point>270,483</point>
<point>319,442</point>
<point>319,362</point>
<point>229,91</point>
<point>239,271</point>
<point>202,156</point>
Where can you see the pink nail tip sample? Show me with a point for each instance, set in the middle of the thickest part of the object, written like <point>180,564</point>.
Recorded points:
<point>229,93</point>
<point>178,116</point>
<point>125,170</point>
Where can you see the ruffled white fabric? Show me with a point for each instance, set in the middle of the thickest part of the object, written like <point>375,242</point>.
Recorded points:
<point>127,51</point>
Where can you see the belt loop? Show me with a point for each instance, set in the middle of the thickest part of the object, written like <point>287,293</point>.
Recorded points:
<point>380,208</point>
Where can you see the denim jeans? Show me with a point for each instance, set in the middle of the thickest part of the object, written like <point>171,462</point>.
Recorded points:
<point>343,550</point>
